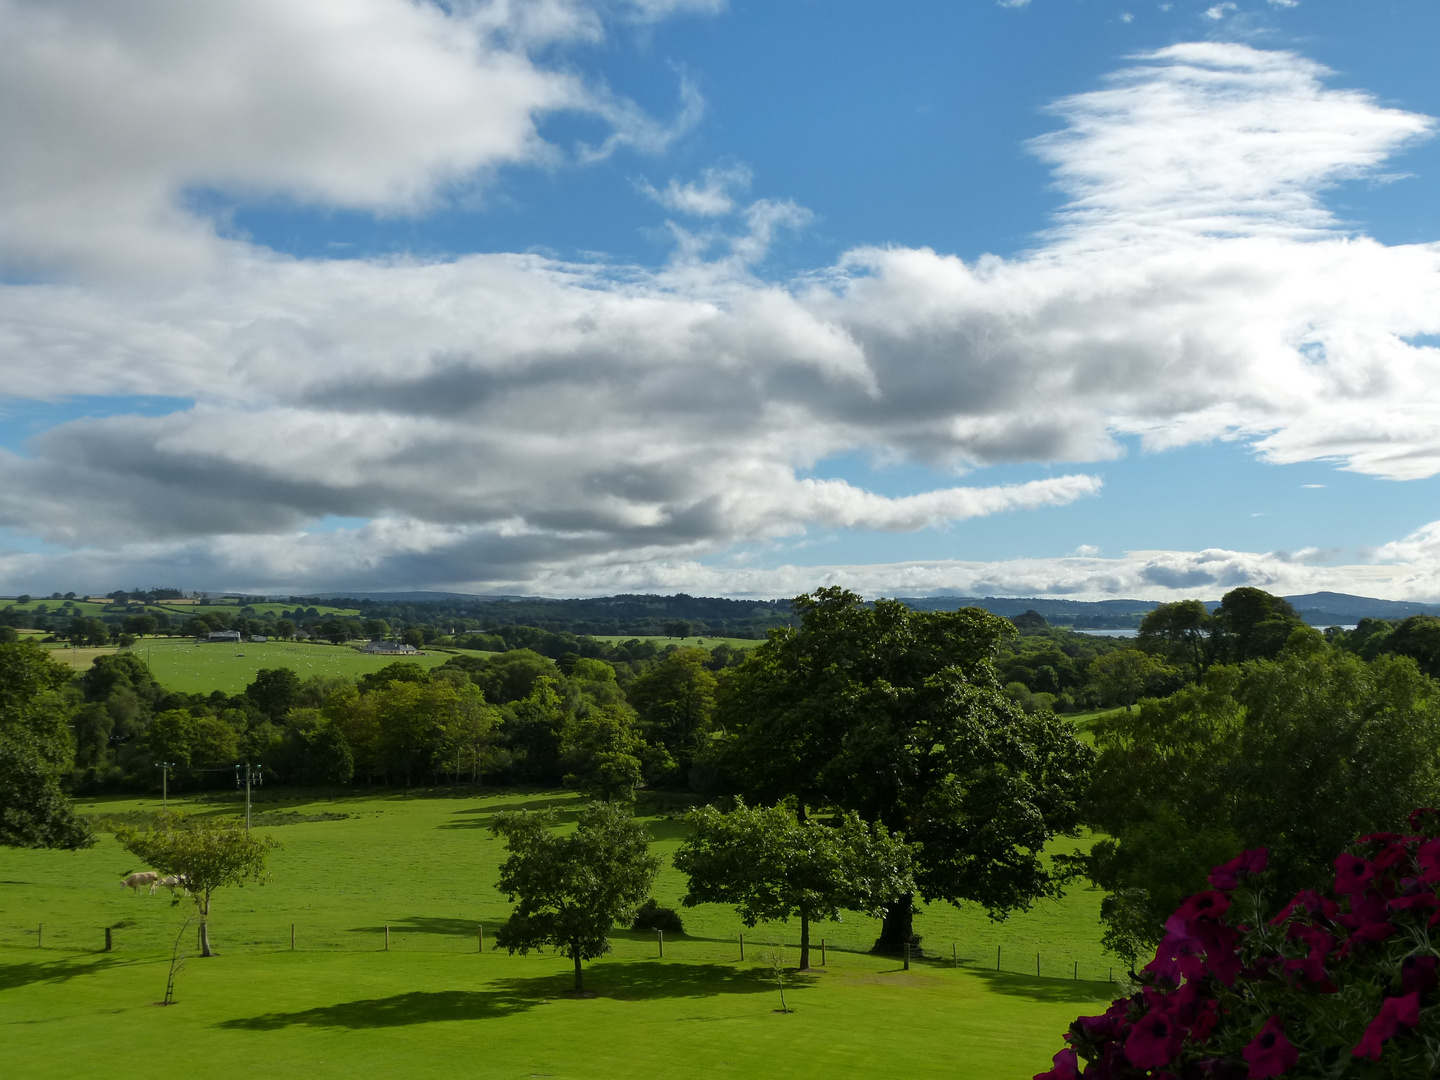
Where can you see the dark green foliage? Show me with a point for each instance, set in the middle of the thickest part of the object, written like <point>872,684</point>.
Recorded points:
<point>400,671</point>
<point>651,916</point>
<point>601,749</point>
<point>1417,637</point>
<point>1298,754</point>
<point>898,715</point>
<point>675,701</point>
<point>570,890</point>
<point>772,866</point>
<point>275,691</point>
<point>36,751</point>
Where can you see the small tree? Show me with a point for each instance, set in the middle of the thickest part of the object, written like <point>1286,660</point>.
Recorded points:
<point>205,857</point>
<point>771,865</point>
<point>572,889</point>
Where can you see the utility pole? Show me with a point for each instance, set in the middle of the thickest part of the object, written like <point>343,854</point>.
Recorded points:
<point>164,767</point>
<point>253,774</point>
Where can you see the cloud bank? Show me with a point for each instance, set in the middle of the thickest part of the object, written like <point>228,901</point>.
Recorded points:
<point>517,422</point>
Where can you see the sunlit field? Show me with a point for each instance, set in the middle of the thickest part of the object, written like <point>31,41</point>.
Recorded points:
<point>424,865</point>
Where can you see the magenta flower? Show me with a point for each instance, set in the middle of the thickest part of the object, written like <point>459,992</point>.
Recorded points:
<point>1427,857</point>
<point>1178,958</point>
<point>1270,1053</point>
<point>1418,818</point>
<point>1312,902</point>
<point>1154,1041</point>
<point>1319,944</point>
<point>1352,874</point>
<point>1065,1067</point>
<point>1395,1013</point>
<point>1203,905</point>
<point>1247,862</point>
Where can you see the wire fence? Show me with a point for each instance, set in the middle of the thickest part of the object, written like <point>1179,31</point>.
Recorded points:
<point>431,935</point>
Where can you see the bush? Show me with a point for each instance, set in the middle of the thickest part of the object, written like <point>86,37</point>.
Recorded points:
<point>652,916</point>
<point>1336,984</point>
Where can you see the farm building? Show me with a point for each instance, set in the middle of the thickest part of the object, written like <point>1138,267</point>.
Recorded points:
<point>223,635</point>
<point>390,647</point>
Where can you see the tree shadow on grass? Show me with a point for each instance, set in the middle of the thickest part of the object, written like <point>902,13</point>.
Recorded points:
<point>399,1010</point>
<point>624,982</point>
<point>566,813</point>
<point>423,924</point>
<point>26,973</point>
<point>1048,991</point>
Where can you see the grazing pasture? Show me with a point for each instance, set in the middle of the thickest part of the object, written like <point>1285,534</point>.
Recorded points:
<point>425,865</point>
<point>181,664</point>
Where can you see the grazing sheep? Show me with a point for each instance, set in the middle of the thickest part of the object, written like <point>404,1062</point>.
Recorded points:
<point>170,882</point>
<point>134,881</point>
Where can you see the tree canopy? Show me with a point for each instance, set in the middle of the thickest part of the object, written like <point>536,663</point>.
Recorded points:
<point>569,891</point>
<point>898,715</point>
<point>1299,753</point>
<point>771,865</point>
<point>205,855</point>
<point>36,752</point>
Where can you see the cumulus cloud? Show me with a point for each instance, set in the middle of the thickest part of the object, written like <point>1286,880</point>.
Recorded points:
<point>517,422</point>
<point>713,195</point>
<point>114,115</point>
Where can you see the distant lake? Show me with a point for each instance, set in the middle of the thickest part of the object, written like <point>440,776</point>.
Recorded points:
<point>1128,631</point>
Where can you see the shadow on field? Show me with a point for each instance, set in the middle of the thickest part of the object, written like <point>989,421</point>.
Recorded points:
<point>624,982</point>
<point>423,924</point>
<point>416,1007</point>
<point>1049,991</point>
<point>566,813</point>
<point>14,976</point>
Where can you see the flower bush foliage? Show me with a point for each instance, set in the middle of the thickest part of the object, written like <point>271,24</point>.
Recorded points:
<point>1335,984</point>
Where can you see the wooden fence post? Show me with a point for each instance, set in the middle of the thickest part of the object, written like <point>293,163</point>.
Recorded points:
<point>660,940</point>
<point>109,939</point>
<point>480,927</point>
<point>387,937</point>
<point>1037,965</point>
<point>907,956</point>
<point>954,954</point>
<point>742,946</point>
<point>822,952</point>
<point>40,936</point>
<point>292,937</point>
<point>997,957</point>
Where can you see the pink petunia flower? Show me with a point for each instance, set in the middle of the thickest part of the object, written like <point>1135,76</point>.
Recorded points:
<point>1270,1053</point>
<point>1352,874</point>
<point>1154,1041</point>
<point>1247,862</point>
<point>1066,1066</point>
<point>1395,1013</point>
<point>1418,975</point>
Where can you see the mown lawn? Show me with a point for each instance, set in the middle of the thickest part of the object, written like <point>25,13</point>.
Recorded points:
<point>433,1005</point>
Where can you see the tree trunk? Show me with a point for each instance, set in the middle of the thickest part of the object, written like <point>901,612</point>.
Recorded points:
<point>205,930</point>
<point>579,975</point>
<point>804,940</point>
<point>898,927</point>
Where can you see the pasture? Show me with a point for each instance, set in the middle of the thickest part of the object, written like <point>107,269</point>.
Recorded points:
<point>181,664</point>
<point>425,865</point>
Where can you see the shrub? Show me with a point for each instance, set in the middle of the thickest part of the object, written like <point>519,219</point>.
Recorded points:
<point>1336,984</point>
<point>652,916</point>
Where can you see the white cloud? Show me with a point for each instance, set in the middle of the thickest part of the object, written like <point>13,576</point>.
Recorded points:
<point>1219,11</point>
<point>1285,3</point>
<point>712,196</point>
<point>112,115</point>
<point>532,424</point>
<point>1013,3</point>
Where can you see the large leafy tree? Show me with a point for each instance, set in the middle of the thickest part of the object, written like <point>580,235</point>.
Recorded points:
<point>570,890</point>
<point>898,715</point>
<point>602,749</point>
<point>1297,754</point>
<point>206,856</point>
<point>771,865</point>
<point>36,751</point>
<point>675,699</point>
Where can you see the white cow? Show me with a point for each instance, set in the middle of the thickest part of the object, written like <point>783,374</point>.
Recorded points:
<point>170,881</point>
<point>145,877</point>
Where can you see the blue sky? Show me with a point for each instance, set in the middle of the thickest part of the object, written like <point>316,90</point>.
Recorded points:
<point>574,297</point>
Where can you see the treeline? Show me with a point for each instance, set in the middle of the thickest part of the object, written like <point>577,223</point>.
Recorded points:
<point>642,616</point>
<point>516,718</point>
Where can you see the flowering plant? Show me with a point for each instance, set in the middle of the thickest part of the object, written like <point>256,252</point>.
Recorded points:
<point>1336,984</point>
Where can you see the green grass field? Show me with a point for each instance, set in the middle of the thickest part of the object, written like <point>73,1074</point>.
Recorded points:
<point>180,664</point>
<point>434,1006</point>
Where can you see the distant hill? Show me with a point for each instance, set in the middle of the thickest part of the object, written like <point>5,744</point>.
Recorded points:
<point>648,615</point>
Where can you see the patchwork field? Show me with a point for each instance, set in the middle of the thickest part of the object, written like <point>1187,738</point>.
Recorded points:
<point>433,1005</point>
